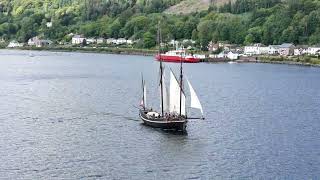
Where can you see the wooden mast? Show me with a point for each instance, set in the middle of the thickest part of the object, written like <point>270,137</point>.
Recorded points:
<point>181,77</point>
<point>161,68</point>
<point>143,84</point>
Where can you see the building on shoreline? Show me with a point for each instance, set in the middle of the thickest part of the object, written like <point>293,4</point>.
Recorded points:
<point>286,49</point>
<point>256,49</point>
<point>300,50</point>
<point>121,41</point>
<point>15,44</point>
<point>100,40</point>
<point>273,49</point>
<point>78,39</point>
<point>231,55</point>
<point>91,41</point>
<point>32,41</point>
<point>36,41</point>
<point>313,50</point>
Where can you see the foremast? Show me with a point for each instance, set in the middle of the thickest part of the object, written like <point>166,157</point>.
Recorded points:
<point>181,83</point>
<point>161,68</point>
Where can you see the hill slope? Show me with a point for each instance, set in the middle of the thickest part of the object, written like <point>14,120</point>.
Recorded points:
<point>189,6</point>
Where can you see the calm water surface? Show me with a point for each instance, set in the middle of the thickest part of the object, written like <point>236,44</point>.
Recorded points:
<point>72,116</point>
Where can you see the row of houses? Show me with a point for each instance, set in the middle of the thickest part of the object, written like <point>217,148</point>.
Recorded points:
<point>226,54</point>
<point>286,49</point>
<point>80,39</point>
<point>35,41</point>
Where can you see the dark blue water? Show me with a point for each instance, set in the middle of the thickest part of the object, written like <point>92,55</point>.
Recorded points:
<point>72,116</point>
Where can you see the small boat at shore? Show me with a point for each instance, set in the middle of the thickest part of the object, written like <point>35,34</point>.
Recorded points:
<point>177,56</point>
<point>173,114</point>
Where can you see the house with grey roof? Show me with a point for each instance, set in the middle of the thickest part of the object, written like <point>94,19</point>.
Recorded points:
<point>286,49</point>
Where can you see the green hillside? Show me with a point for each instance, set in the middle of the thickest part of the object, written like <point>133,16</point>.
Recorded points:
<point>241,22</point>
<point>190,6</point>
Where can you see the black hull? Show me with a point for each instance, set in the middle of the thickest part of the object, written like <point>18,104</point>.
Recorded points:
<point>162,123</point>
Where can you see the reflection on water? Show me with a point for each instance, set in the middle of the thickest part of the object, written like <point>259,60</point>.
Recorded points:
<point>72,116</point>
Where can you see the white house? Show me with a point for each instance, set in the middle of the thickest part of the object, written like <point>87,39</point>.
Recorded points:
<point>251,50</point>
<point>78,39</point>
<point>200,56</point>
<point>188,41</point>
<point>121,41</point>
<point>300,50</point>
<point>100,40</point>
<point>14,44</point>
<point>256,49</point>
<point>264,50</point>
<point>273,49</point>
<point>114,41</point>
<point>91,41</point>
<point>33,41</point>
<point>111,41</point>
<point>129,42</point>
<point>232,55</point>
<point>313,50</point>
<point>220,55</point>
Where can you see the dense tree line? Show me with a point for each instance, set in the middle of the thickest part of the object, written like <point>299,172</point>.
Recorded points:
<point>241,22</point>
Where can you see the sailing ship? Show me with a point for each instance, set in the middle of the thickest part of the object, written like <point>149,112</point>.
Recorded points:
<point>173,114</point>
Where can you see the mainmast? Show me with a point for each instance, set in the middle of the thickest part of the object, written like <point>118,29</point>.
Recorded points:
<point>143,98</point>
<point>181,78</point>
<point>161,68</point>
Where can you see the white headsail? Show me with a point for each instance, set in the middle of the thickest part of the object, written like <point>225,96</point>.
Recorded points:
<point>174,106</point>
<point>165,95</point>
<point>183,104</point>
<point>195,102</point>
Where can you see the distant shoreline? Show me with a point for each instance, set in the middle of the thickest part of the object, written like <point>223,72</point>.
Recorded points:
<point>123,51</point>
<point>146,52</point>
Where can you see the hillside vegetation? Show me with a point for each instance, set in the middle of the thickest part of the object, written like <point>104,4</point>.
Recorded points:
<point>241,22</point>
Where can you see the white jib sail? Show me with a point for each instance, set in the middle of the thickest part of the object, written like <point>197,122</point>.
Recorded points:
<point>183,104</point>
<point>174,98</point>
<point>165,95</point>
<point>195,102</point>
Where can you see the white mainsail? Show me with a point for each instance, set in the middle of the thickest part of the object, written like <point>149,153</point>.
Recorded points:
<point>164,95</point>
<point>174,98</point>
<point>195,102</point>
<point>144,95</point>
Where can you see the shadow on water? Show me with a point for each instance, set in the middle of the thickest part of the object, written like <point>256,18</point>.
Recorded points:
<point>166,131</point>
